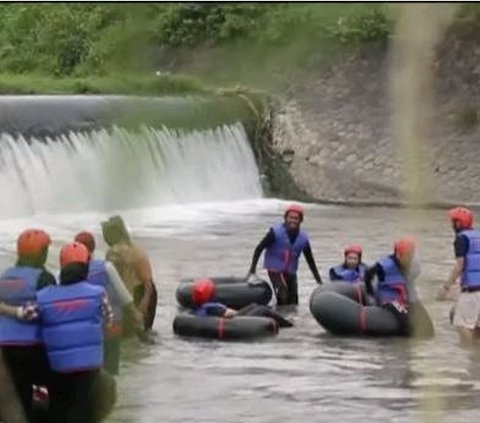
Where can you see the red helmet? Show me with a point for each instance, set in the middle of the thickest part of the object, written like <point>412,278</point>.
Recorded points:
<point>87,239</point>
<point>203,291</point>
<point>74,253</point>
<point>295,208</point>
<point>405,247</point>
<point>354,248</point>
<point>463,216</point>
<point>32,242</point>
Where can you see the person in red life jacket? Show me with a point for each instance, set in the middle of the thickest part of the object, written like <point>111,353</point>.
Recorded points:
<point>352,269</point>
<point>103,273</point>
<point>205,305</point>
<point>284,243</point>
<point>72,318</point>
<point>395,290</point>
<point>467,270</point>
<point>20,340</point>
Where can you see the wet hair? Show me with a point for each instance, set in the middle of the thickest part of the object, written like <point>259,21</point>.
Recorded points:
<point>73,273</point>
<point>114,231</point>
<point>37,260</point>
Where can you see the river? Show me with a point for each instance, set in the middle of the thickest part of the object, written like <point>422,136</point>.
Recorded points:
<point>303,374</point>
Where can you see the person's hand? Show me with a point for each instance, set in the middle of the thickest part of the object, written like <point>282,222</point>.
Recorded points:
<point>401,308</point>
<point>138,319</point>
<point>442,293</point>
<point>229,313</point>
<point>28,312</point>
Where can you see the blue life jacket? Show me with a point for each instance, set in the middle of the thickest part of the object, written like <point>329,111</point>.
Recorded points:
<point>97,275</point>
<point>72,326</point>
<point>282,255</point>
<point>210,309</point>
<point>394,287</point>
<point>341,273</point>
<point>471,271</point>
<point>18,286</point>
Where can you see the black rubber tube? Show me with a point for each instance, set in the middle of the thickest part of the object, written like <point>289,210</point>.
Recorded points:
<point>233,292</point>
<point>335,306</point>
<point>239,327</point>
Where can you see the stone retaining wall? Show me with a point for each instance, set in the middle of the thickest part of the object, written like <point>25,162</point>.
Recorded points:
<point>335,133</point>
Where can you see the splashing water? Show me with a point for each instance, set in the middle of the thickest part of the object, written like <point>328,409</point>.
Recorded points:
<point>105,170</point>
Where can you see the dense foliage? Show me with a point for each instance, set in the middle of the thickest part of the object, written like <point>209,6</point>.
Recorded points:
<point>87,38</point>
<point>85,42</point>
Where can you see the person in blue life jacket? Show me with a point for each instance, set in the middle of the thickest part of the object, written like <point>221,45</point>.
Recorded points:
<point>466,318</point>
<point>21,343</point>
<point>352,269</point>
<point>395,288</point>
<point>104,274</point>
<point>203,296</point>
<point>72,317</point>
<point>284,243</point>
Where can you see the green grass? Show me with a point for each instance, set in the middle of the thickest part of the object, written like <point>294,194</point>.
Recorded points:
<point>87,48</point>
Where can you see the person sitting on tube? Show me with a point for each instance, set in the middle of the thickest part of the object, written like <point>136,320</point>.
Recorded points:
<point>395,274</point>
<point>352,269</point>
<point>203,296</point>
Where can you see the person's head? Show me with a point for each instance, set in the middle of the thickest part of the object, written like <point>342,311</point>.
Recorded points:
<point>293,216</point>
<point>87,239</point>
<point>353,256</point>
<point>461,218</point>
<point>404,250</point>
<point>74,260</point>
<point>203,291</point>
<point>115,231</point>
<point>32,247</point>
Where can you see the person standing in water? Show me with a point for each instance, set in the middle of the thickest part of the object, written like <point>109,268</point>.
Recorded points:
<point>21,343</point>
<point>72,316</point>
<point>352,269</point>
<point>284,243</point>
<point>133,266</point>
<point>103,273</point>
<point>467,268</point>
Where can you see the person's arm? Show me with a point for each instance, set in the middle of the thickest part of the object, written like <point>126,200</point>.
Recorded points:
<point>124,296</point>
<point>266,241</point>
<point>370,274</point>
<point>333,275</point>
<point>461,248</point>
<point>144,273</point>
<point>307,252</point>
<point>107,311</point>
<point>28,312</point>
<point>11,311</point>
<point>218,310</point>
<point>118,285</point>
<point>456,273</point>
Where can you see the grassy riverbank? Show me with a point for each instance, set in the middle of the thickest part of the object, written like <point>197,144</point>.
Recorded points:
<point>118,48</point>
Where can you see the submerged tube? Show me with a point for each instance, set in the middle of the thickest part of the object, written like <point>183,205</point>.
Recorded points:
<point>233,292</point>
<point>238,327</point>
<point>336,308</point>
